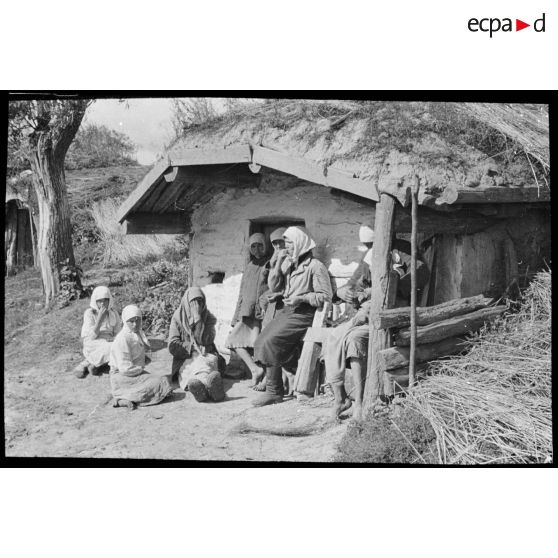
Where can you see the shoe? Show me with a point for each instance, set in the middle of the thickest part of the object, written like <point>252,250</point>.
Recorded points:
<point>267,399</point>
<point>197,389</point>
<point>80,371</point>
<point>214,385</point>
<point>93,370</point>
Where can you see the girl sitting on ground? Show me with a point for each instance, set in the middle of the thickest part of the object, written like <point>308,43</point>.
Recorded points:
<point>195,360</point>
<point>131,384</point>
<point>101,324</point>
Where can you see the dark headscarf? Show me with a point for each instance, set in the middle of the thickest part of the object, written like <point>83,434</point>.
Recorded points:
<point>188,320</point>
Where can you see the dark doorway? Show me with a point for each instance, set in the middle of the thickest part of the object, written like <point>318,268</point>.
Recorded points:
<point>267,225</point>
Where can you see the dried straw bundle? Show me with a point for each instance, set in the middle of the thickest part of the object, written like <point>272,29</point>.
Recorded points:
<point>526,124</point>
<point>119,248</point>
<point>493,405</point>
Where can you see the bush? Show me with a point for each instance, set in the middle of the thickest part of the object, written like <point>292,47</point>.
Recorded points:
<point>157,290</point>
<point>397,435</point>
<point>98,146</point>
<point>70,284</point>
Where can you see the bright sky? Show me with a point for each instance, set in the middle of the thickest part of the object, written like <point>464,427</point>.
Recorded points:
<point>146,121</point>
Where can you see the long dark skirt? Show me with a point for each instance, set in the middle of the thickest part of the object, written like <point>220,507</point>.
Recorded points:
<point>277,343</point>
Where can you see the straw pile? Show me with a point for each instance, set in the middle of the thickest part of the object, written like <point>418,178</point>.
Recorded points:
<point>493,404</point>
<point>526,124</point>
<point>119,248</point>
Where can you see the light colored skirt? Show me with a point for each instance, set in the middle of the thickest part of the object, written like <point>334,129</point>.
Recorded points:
<point>343,342</point>
<point>244,334</point>
<point>96,351</point>
<point>145,389</point>
<point>191,367</point>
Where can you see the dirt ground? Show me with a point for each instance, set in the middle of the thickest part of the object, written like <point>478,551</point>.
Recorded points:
<point>50,413</point>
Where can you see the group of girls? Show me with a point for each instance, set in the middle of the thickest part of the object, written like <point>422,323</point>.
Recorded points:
<point>277,301</point>
<point>121,344</point>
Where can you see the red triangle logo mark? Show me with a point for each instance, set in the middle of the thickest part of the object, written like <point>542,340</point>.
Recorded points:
<point>519,25</point>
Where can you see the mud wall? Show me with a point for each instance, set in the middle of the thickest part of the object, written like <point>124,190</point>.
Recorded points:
<point>220,229</point>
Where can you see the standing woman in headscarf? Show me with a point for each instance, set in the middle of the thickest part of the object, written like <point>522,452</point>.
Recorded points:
<point>246,326</point>
<point>101,323</point>
<point>305,286</point>
<point>191,334</point>
<point>131,384</point>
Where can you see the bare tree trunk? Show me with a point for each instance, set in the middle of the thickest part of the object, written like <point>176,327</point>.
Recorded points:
<point>55,129</point>
<point>54,242</point>
<point>11,238</point>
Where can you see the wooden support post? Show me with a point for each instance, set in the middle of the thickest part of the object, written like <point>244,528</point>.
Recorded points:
<point>381,258</point>
<point>414,227</point>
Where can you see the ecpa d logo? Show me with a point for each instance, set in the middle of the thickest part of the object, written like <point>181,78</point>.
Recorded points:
<point>492,25</point>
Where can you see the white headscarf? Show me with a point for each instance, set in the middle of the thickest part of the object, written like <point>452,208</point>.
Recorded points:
<point>256,237</point>
<point>132,311</point>
<point>302,243</point>
<point>104,292</point>
<point>99,293</point>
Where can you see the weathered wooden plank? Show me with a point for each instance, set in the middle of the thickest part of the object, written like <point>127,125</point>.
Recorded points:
<point>152,223</point>
<point>176,180</point>
<point>464,221</point>
<point>398,357</point>
<point>397,381</point>
<point>428,257</point>
<point>169,195</point>
<point>510,261</point>
<point>342,180</point>
<point>460,325</point>
<point>211,156</point>
<point>381,256</point>
<point>502,194</point>
<point>149,202</point>
<point>316,334</point>
<point>22,228</point>
<point>400,317</point>
<point>143,188</point>
<point>305,379</point>
<point>413,326</point>
<point>289,164</point>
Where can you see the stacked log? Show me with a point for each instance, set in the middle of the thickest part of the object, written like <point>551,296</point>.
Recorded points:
<point>440,333</point>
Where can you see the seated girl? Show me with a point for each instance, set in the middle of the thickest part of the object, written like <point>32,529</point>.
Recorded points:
<point>304,285</point>
<point>131,384</point>
<point>192,344</point>
<point>101,323</point>
<point>348,344</point>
